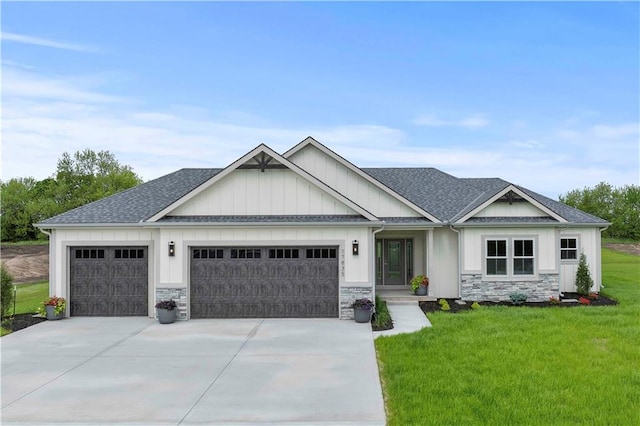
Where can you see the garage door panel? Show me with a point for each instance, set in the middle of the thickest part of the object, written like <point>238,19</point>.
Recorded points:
<point>108,281</point>
<point>292,287</point>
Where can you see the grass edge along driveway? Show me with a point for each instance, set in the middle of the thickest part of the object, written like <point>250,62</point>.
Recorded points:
<point>504,365</point>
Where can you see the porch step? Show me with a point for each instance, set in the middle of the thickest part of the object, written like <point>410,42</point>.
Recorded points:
<point>403,296</point>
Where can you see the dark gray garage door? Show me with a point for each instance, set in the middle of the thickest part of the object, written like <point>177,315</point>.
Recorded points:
<point>264,282</point>
<point>109,281</point>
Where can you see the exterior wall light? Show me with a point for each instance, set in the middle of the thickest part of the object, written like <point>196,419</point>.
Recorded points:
<point>172,249</point>
<point>354,248</point>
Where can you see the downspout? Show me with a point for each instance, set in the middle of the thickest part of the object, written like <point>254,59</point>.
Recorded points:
<point>459,260</point>
<point>600,256</point>
<point>373,267</point>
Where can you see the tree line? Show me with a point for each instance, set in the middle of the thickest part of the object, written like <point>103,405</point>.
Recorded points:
<point>79,179</point>
<point>619,206</point>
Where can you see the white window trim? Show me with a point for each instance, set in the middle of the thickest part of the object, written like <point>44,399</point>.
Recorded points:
<point>510,257</point>
<point>569,261</point>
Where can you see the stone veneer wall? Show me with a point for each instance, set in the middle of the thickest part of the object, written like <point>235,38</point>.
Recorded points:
<point>474,288</point>
<point>348,295</point>
<point>177,294</point>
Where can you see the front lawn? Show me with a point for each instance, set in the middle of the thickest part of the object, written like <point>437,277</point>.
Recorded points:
<point>519,365</point>
<point>28,298</point>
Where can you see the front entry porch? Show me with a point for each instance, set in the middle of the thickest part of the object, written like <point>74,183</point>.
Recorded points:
<point>401,294</point>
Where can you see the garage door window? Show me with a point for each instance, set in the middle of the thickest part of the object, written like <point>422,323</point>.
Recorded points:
<point>246,253</point>
<point>324,253</point>
<point>282,253</point>
<point>129,254</point>
<point>89,254</point>
<point>208,254</point>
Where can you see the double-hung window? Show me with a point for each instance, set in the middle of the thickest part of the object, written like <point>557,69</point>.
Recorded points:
<point>496,257</point>
<point>510,256</point>
<point>523,258</point>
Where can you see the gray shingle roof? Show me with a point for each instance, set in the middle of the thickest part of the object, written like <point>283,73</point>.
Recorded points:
<point>138,203</point>
<point>444,196</point>
<point>512,220</point>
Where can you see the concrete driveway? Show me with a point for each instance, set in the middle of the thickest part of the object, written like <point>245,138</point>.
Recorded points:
<point>137,371</point>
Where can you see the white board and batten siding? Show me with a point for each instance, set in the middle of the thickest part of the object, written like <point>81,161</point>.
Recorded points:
<point>511,210</point>
<point>443,277</point>
<point>354,270</point>
<point>256,193</point>
<point>589,243</point>
<point>350,184</point>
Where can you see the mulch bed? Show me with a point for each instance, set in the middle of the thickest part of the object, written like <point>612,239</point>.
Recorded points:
<point>21,321</point>
<point>435,306</point>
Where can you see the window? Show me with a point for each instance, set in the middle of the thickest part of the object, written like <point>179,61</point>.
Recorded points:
<point>321,253</point>
<point>523,257</point>
<point>569,248</point>
<point>283,253</point>
<point>496,257</point>
<point>246,253</point>
<point>89,254</point>
<point>208,254</point>
<point>128,254</point>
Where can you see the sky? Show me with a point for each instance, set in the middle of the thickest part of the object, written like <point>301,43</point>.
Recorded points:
<point>542,94</point>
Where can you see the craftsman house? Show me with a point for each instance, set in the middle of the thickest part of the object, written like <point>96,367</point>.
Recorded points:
<point>304,233</point>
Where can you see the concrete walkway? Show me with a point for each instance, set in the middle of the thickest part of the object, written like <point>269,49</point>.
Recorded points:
<point>407,318</point>
<point>136,371</point>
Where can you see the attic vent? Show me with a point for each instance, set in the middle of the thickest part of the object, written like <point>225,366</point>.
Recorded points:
<point>262,162</point>
<point>511,197</point>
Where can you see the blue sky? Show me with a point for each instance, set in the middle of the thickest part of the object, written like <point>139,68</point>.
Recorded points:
<point>543,94</point>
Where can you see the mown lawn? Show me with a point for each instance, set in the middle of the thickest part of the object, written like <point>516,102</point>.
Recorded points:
<point>28,298</point>
<point>508,366</point>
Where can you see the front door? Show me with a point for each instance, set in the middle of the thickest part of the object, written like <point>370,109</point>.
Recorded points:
<point>394,265</point>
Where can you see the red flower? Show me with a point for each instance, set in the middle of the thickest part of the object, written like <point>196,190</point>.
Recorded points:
<point>584,301</point>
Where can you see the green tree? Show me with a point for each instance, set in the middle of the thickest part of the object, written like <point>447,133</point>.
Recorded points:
<point>79,179</point>
<point>620,206</point>
<point>583,277</point>
<point>6,290</point>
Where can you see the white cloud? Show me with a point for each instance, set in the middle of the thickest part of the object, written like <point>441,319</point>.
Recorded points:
<point>44,117</point>
<point>431,120</point>
<point>614,132</point>
<point>37,41</point>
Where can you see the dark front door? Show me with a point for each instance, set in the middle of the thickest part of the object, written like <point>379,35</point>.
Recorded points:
<point>394,264</point>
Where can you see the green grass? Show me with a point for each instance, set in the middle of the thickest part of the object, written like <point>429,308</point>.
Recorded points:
<point>619,240</point>
<point>513,366</point>
<point>28,298</point>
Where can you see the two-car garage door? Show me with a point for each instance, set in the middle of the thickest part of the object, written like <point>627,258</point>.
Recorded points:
<point>264,282</point>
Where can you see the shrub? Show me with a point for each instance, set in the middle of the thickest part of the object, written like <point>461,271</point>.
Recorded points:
<point>6,294</point>
<point>583,277</point>
<point>382,317</point>
<point>518,298</point>
<point>475,305</point>
<point>554,300</point>
<point>593,295</point>
<point>444,305</point>
<point>584,301</point>
<point>169,305</point>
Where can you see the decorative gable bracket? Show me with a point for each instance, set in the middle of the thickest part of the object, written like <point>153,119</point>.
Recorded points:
<point>263,162</point>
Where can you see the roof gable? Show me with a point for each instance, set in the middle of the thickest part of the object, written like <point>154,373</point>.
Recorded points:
<point>494,206</point>
<point>261,158</point>
<point>353,181</point>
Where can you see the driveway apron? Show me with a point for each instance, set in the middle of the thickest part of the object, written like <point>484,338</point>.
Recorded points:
<point>137,371</point>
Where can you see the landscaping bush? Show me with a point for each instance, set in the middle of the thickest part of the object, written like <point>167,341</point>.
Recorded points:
<point>583,277</point>
<point>382,318</point>
<point>6,294</point>
<point>518,298</point>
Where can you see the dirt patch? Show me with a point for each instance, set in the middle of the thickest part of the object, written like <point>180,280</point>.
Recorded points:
<point>27,264</point>
<point>624,248</point>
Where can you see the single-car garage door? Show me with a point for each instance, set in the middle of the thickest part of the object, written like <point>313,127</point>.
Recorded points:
<point>109,281</point>
<point>264,282</point>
